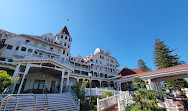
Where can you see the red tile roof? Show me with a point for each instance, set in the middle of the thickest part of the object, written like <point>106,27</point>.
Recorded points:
<point>158,71</point>
<point>126,71</point>
<point>64,31</point>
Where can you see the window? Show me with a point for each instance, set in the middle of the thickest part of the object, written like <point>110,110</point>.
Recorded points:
<point>65,44</point>
<point>68,45</point>
<point>27,40</point>
<point>63,51</point>
<point>100,62</point>
<point>23,49</point>
<point>9,47</point>
<point>17,47</point>
<point>67,54</point>
<point>69,39</point>
<point>65,37</point>
<point>30,50</point>
<point>61,36</point>
<point>1,35</point>
<point>51,49</point>
<point>45,38</point>
<point>52,40</point>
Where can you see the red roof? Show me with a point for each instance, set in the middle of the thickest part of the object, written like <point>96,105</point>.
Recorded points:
<point>126,71</point>
<point>158,71</point>
<point>64,31</point>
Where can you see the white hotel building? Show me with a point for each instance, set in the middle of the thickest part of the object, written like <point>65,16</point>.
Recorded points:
<point>46,61</point>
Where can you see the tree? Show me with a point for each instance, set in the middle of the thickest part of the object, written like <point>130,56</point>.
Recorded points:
<point>163,56</point>
<point>142,66</point>
<point>5,80</point>
<point>79,90</point>
<point>176,84</point>
<point>107,94</point>
<point>138,81</point>
<point>145,100</point>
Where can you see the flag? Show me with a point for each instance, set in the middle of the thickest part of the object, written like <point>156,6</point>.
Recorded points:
<point>67,20</point>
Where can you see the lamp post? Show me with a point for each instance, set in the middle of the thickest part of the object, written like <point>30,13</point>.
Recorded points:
<point>90,74</point>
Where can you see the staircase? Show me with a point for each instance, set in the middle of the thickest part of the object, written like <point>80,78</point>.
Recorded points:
<point>51,102</point>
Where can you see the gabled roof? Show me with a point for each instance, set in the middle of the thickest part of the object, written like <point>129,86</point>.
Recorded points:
<point>126,71</point>
<point>64,31</point>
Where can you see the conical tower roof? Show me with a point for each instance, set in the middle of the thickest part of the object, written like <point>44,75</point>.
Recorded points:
<point>64,31</point>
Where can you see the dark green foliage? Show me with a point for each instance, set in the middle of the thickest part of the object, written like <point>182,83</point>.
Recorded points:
<point>176,84</point>
<point>145,100</point>
<point>163,56</point>
<point>142,66</point>
<point>80,90</point>
<point>138,81</point>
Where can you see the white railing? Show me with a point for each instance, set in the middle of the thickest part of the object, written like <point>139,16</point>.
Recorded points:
<point>30,56</point>
<point>98,91</point>
<point>110,101</point>
<point>170,106</point>
<point>82,68</point>
<point>124,100</point>
<point>39,47</point>
<point>75,98</point>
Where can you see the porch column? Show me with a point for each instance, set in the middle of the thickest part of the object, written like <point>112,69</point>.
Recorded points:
<point>120,86</point>
<point>108,83</point>
<point>100,83</point>
<point>62,78</point>
<point>14,77</point>
<point>25,73</point>
<point>68,78</point>
<point>78,79</point>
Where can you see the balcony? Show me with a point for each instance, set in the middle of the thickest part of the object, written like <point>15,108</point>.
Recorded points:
<point>82,69</point>
<point>41,57</point>
<point>40,47</point>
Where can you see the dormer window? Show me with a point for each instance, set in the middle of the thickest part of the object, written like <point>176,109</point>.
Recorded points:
<point>48,39</point>
<point>61,36</point>
<point>52,40</point>
<point>65,37</point>
<point>45,38</point>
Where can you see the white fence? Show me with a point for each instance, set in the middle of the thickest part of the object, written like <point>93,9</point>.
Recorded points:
<point>98,91</point>
<point>122,99</point>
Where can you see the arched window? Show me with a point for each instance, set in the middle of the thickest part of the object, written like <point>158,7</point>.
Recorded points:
<point>61,36</point>
<point>65,44</point>
<point>63,51</point>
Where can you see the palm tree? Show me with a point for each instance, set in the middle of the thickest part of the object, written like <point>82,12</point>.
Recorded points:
<point>138,81</point>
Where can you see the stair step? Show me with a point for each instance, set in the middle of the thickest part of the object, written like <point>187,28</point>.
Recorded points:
<point>55,102</point>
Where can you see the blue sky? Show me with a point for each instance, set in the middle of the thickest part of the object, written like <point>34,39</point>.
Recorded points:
<point>127,28</point>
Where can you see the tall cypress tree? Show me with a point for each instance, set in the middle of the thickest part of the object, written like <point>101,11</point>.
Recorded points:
<point>163,56</point>
<point>142,65</point>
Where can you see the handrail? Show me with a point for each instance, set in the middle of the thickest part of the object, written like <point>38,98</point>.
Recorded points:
<point>74,97</point>
<point>8,97</point>
<point>45,90</point>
